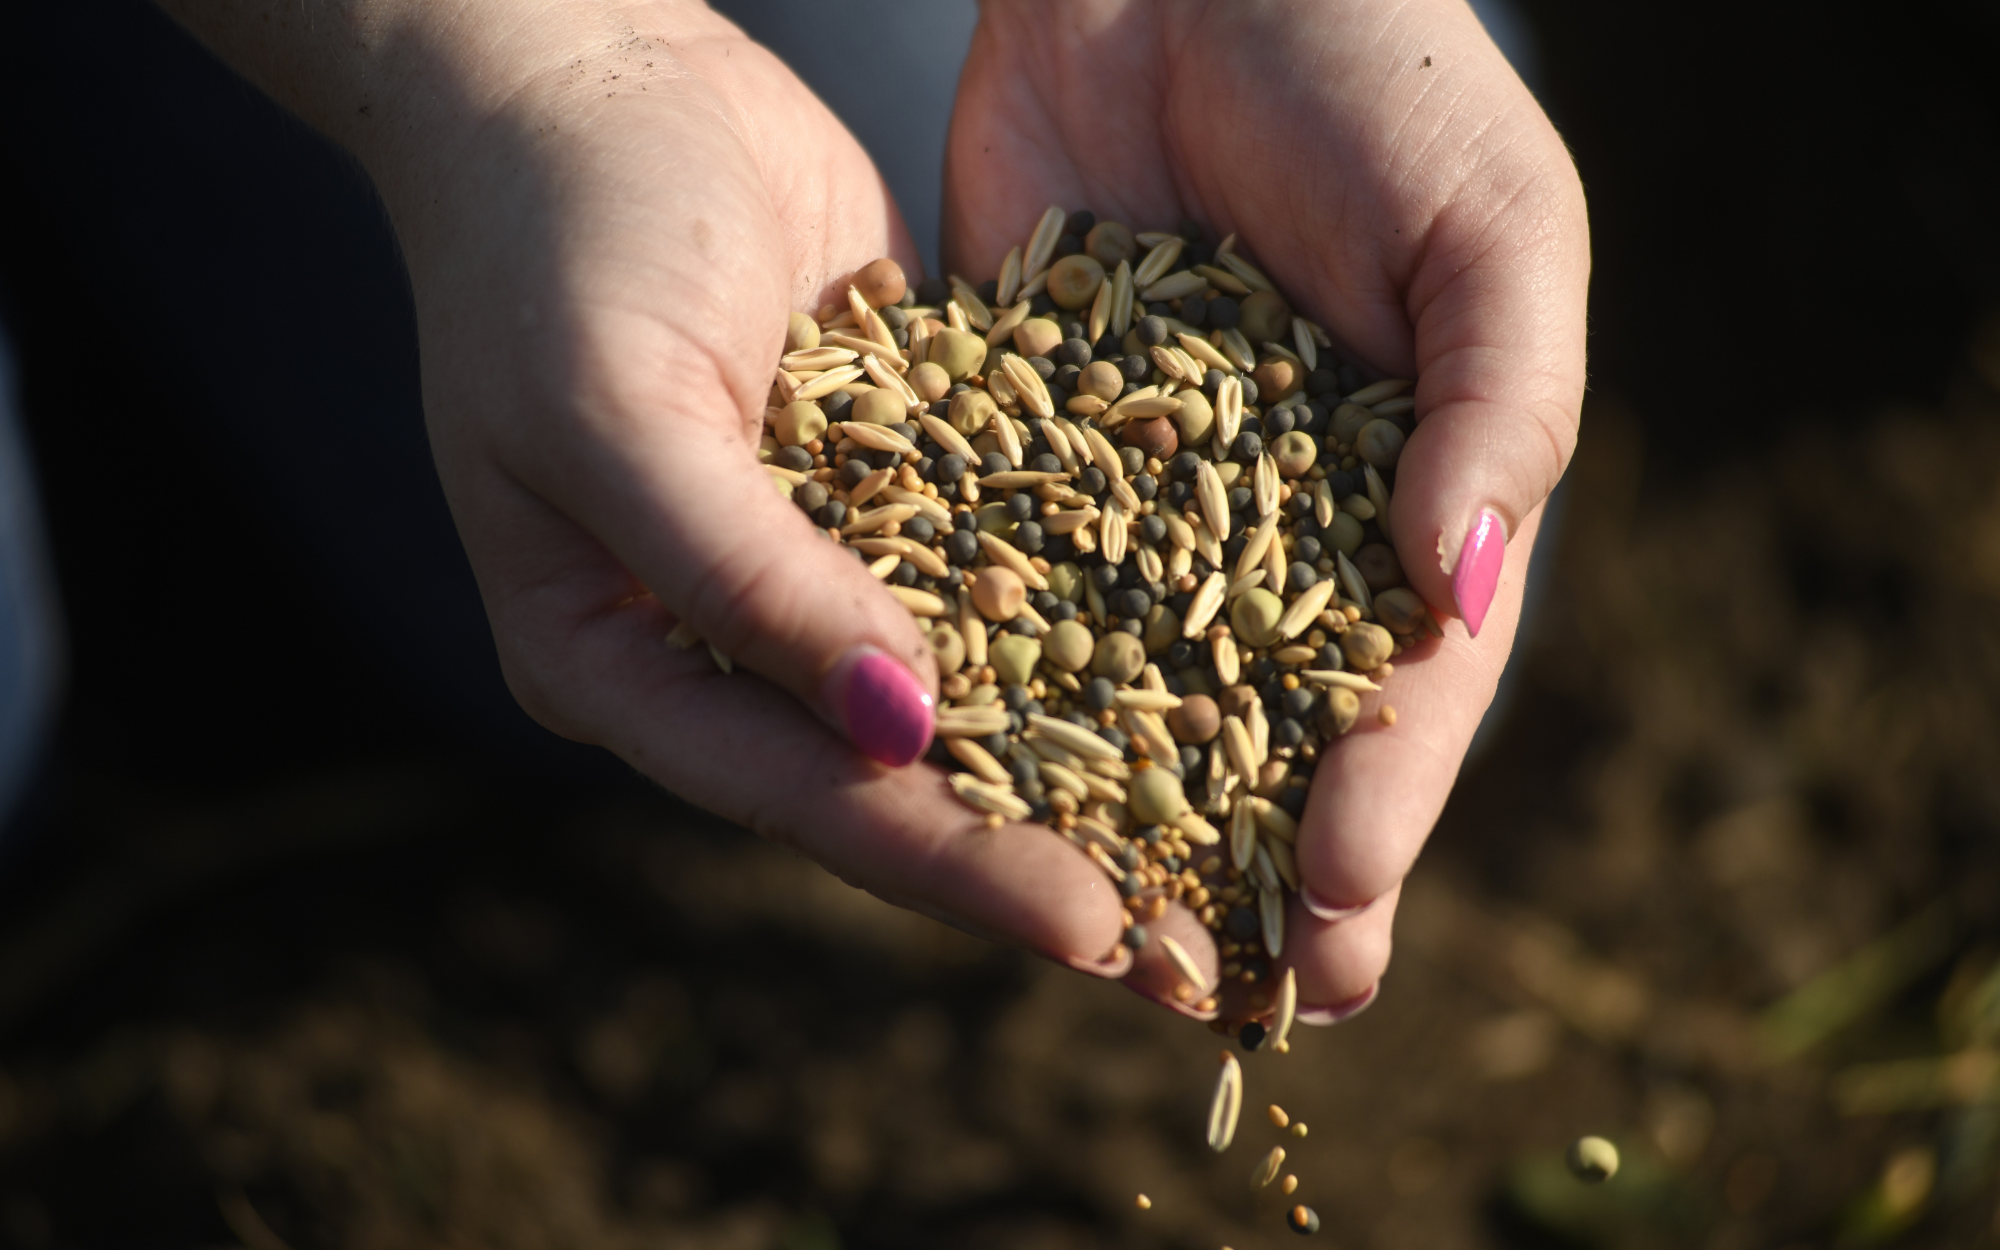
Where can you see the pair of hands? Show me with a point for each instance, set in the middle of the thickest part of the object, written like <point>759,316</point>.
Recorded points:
<point>609,209</point>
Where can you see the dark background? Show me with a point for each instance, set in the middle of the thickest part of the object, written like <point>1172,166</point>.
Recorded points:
<point>309,936</point>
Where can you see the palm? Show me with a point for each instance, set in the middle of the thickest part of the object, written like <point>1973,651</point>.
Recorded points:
<point>1301,129</point>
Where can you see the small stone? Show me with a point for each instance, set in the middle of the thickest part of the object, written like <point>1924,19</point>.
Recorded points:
<point>929,381</point>
<point>1295,453</point>
<point>957,352</point>
<point>1013,658</point>
<point>999,594</point>
<point>1367,645</point>
<point>1069,646</point>
<point>1592,1159</point>
<point>799,423</point>
<point>1155,796</point>
<point>1119,657</point>
<point>880,282</point>
<point>1380,443</point>
<point>1155,437</point>
<point>1266,318</point>
<point>801,333</point>
<point>878,406</point>
<point>1254,617</point>
<point>1196,721</point>
<point>1037,336</point>
<point>1073,281</point>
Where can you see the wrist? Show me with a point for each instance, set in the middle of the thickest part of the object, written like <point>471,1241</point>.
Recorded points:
<point>405,85</point>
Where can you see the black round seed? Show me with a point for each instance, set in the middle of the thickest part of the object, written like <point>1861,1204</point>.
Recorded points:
<point>797,459</point>
<point>1224,313</point>
<point>1129,887</point>
<point>1114,735</point>
<point>1020,505</point>
<point>905,574</point>
<point>1242,924</point>
<point>1136,368</point>
<point>810,497</point>
<point>1133,460</point>
<point>836,405</point>
<point>1211,382</point>
<point>932,292</point>
<point>1152,531</point>
<point>1149,834</point>
<point>917,529</point>
<point>961,547</point>
<point>1135,937</point>
<point>1302,576</point>
<point>853,471</point>
<point>1091,480</point>
<point>1080,222</point>
<point>1194,310</point>
<point>1100,694</point>
<point>832,516</point>
<point>1106,576</point>
<point>1251,1035</point>
<point>1152,330</point>
<point>1046,463</point>
<point>1160,309</point>
<point>1145,486</point>
<point>993,462</point>
<point>1302,1220</point>
<point>1028,538</point>
<point>1240,497</point>
<point>1064,609</point>
<point>1342,483</point>
<point>1184,466</point>
<point>1297,703</point>
<point>1249,394</point>
<point>1280,421</point>
<point>1289,732</point>
<point>1131,603</point>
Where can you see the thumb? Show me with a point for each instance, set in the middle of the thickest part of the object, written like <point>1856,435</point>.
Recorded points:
<point>1500,355</point>
<point>684,505</point>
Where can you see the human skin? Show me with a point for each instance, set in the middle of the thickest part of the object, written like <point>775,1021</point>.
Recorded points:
<point>607,211</point>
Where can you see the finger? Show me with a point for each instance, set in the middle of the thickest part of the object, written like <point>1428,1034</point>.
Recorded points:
<point>591,661</point>
<point>1500,359</point>
<point>1378,789</point>
<point>1339,963</point>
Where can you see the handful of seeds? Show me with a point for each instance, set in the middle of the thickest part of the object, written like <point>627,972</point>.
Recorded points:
<point>1143,516</point>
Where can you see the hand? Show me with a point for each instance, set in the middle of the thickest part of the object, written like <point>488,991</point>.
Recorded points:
<point>605,233</point>
<point>1385,166</point>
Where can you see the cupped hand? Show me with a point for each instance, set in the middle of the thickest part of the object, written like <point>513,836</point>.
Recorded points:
<point>1386,167</point>
<point>603,272</point>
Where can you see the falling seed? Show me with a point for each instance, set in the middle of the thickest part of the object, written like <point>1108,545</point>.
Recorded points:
<point>1299,1129</point>
<point>1593,1159</point>
<point>1289,1185</point>
<point>1302,1220</point>
<point>1143,1203</point>
<point>1278,1116</point>
<point>1267,1170</point>
<point>1223,1108</point>
<point>1288,1006</point>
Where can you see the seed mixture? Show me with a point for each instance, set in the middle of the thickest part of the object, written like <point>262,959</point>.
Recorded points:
<point>1143,516</point>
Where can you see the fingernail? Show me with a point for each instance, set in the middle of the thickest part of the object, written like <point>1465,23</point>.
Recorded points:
<point>1322,1017</point>
<point>1112,967</point>
<point>884,710</point>
<point>1323,910</point>
<point>1478,573</point>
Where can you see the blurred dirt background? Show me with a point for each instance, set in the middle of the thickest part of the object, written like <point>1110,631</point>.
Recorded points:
<point>285,967</point>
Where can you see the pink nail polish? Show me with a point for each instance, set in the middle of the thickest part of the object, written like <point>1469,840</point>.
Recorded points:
<point>1478,572</point>
<point>886,713</point>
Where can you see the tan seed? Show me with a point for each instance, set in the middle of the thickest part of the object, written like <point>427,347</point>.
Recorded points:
<point>1225,1105</point>
<point>1109,243</point>
<point>1177,954</point>
<point>880,282</point>
<point>999,594</point>
<point>801,333</point>
<point>1267,1170</point>
<point>1143,1202</point>
<point>1074,281</point>
<point>1278,1117</point>
<point>1288,1185</point>
<point>1037,336</point>
<point>1265,316</point>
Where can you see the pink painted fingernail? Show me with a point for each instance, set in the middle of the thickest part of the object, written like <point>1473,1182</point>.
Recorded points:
<point>881,705</point>
<point>1478,572</point>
